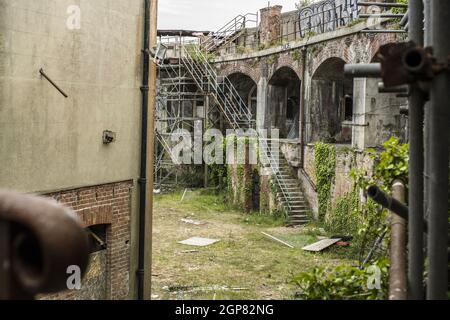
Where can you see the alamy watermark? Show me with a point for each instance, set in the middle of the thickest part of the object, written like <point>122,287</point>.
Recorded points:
<point>73,21</point>
<point>241,146</point>
<point>74,278</point>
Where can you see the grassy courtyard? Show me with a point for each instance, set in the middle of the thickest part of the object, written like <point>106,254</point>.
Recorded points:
<point>243,265</point>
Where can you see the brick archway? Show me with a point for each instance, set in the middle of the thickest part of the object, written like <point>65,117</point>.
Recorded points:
<point>286,61</point>
<point>241,67</point>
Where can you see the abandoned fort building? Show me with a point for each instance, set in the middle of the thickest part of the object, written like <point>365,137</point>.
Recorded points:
<point>268,70</point>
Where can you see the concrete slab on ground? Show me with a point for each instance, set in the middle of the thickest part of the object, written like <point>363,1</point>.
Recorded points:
<point>199,242</point>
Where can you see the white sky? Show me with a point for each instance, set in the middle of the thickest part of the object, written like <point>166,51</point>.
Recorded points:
<point>209,15</point>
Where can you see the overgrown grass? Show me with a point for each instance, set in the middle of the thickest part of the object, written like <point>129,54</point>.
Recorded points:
<point>244,259</point>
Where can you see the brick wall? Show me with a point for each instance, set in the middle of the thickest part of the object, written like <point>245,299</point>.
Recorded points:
<point>107,205</point>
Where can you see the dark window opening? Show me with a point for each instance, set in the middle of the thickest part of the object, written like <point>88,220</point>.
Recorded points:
<point>97,237</point>
<point>348,107</point>
<point>292,108</point>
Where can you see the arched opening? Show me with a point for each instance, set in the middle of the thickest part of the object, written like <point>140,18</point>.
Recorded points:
<point>246,88</point>
<point>331,104</point>
<point>284,102</point>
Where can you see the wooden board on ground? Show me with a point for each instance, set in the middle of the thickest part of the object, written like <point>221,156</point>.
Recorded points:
<point>321,245</point>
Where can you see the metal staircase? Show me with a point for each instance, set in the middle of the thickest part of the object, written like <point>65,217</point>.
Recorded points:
<point>236,112</point>
<point>289,191</point>
<point>229,32</point>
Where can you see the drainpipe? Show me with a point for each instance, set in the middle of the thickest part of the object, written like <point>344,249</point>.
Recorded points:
<point>416,165</point>
<point>439,156</point>
<point>397,276</point>
<point>147,149</point>
<point>303,110</point>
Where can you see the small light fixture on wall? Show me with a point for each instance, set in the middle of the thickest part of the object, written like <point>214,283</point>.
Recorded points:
<point>109,137</point>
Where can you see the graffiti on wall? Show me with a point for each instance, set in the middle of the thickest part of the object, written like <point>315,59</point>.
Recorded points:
<point>328,15</point>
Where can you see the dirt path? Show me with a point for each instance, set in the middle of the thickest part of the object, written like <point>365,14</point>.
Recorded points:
<point>243,265</point>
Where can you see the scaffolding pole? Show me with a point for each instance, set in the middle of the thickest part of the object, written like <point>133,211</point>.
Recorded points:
<point>416,165</point>
<point>439,155</point>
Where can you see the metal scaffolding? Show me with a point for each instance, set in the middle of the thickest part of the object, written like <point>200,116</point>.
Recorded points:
<point>180,105</point>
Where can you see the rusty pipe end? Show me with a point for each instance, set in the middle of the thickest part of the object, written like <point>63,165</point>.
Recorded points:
<point>46,240</point>
<point>415,60</point>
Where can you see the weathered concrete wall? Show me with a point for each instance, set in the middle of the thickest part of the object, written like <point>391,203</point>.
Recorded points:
<point>377,115</point>
<point>49,143</point>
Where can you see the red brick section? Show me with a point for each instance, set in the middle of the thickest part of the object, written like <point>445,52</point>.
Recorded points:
<point>111,205</point>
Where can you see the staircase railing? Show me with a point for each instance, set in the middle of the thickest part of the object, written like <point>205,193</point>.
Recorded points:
<point>225,94</point>
<point>228,31</point>
<point>274,164</point>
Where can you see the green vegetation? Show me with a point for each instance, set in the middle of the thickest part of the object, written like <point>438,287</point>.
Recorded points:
<point>297,56</point>
<point>325,165</point>
<point>350,216</point>
<point>344,283</point>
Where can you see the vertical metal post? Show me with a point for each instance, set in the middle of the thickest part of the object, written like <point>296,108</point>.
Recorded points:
<point>416,165</point>
<point>5,290</point>
<point>143,205</point>
<point>205,127</point>
<point>427,42</point>
<point>397,278</point>
<point>150,154</point>
<point>303,109</point>
<point>439,155</point>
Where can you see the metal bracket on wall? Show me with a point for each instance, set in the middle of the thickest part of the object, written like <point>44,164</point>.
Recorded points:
<point>41,71</point>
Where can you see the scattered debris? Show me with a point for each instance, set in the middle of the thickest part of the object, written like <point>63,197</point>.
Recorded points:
<point>191,289</point>
<point>343,238</point>
<point>321,245</point>
<point>190,251</point>
<point>278,240</point>
<point>199,242</point>
<point>343,244</point>
<point>184,195</point>
<point>190,221</point>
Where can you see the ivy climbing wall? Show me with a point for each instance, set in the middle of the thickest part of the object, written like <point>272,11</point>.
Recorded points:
<point>327,174</point>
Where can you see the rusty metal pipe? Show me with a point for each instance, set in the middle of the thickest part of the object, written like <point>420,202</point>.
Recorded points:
<point>415,60</point>
<point>380,197</point>
<point>368,70</point>
<point>45,240</point>
<point>394,89</point>
<point>397,271</point>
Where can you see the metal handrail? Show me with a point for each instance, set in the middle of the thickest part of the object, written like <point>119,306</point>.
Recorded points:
<point>275,172</point>
<point>230,29</point>
<point>226,95</point>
